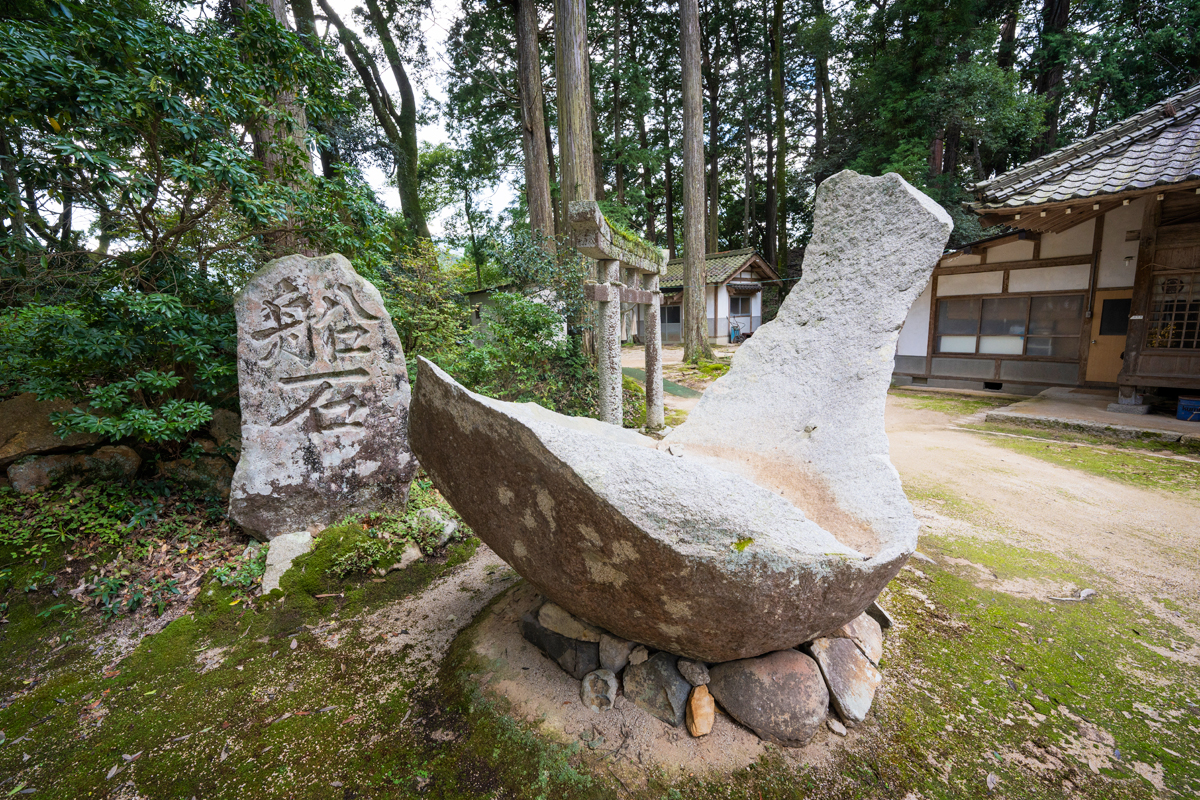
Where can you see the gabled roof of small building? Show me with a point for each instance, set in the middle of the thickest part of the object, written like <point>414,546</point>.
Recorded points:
<point>1156,147</point>
<point>720,266</point>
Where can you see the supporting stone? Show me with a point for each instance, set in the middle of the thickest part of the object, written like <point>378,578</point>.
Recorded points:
<point>608,345</point>
<point>654,372</point>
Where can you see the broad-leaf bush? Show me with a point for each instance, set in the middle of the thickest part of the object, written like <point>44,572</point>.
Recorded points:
<point>147,367</point>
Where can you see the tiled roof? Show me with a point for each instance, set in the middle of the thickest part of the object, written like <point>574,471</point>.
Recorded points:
<point>719,265</point>
<point>1158,146</point>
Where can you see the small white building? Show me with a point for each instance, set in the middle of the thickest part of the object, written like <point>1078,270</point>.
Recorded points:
<point>733,294</point>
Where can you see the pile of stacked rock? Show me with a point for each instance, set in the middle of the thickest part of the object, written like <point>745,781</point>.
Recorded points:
<point>782,696</point>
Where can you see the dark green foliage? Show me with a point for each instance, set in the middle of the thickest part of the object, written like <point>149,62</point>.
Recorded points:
<point>143,366</point>
<point>525,355</point>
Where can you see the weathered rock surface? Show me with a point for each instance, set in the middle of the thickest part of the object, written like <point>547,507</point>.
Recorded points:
<point>112,463</point>
<point>866,634</point>
<point>701,711</point>
<point>557,619</point>
<point>880,615</point>
<point>436,524</point>
<point>614,652</point>
<point>575,657</point>
<point>695,672</point>
<point>780,696</point>
<point>656,687</point>
<point>210,472</point>
<point>324,395</point>
<point>639,655</point>
<point>850,676</point>
<point>598,690</point>
<point>25,429</point>
<point>226,430</point>
<point>783,519</point>
<point>283,550</point>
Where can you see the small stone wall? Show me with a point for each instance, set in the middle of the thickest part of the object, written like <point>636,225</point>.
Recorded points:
<point>784,697</point>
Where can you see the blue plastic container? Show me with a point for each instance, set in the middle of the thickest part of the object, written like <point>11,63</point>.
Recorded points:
<point>1188,409</point>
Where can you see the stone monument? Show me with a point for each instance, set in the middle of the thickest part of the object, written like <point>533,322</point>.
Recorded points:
<point>324,396</point>
<point>772,517</point>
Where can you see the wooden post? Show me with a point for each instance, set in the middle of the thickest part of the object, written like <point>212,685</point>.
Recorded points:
<point>608,343</point>
<point>652,334</point>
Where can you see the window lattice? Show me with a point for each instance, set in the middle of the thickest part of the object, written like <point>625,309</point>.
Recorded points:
<point>1175,311</point>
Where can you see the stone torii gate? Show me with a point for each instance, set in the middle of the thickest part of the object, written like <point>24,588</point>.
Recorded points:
<point>627,270</point>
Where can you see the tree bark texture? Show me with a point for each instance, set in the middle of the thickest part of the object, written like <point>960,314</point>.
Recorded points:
<point>306,27</point>
<point>533,125</point>
<point>712,81</point>
<point>273,141</point>
<point>695,323</point>
<point>406,161</point>
<point>668,183</point>
<point>781,247</point>
<point>578,180</point>
<point>1053,51</point>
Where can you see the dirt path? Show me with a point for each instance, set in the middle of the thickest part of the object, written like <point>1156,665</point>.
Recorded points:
<point>1145,541</point>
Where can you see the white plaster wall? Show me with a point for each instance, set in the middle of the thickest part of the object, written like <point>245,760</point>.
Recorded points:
<point>960,260</point>
<point>914,333</point>
<point>1049,279</point>
<point>722,303</point>
<point>970,283</point>
<point>756,304</point>
<point>1113,272</point>
<point>1013,251</point>
<point>1074,241</point>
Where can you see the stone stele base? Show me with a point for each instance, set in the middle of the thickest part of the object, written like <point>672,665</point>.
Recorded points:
<point>536,691</point>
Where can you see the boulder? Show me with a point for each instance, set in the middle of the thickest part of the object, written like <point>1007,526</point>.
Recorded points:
<point>106,463</point>
<point>598,690</point>
<point>436,524</point>
<point>866,634</point>
<point>701,711</point>
<point>561,622</point>
<point>656,687</point>
<point>639,655</point>
<point>780,696</point>
<point>850,676</point>
<point>575,657</point>
<point>782,520</point>
<point>25,429</point>
<point>282,551</point>
<point>211,473</point>
<point>324,398</point>
<point>614,652</point>
<point>695,672</point>
<point>226,430</point>
<point>880,615</point>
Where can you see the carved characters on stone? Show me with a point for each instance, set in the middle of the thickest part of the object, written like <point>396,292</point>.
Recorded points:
<point>324,396</point>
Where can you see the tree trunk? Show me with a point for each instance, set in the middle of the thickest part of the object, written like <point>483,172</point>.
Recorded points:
<point>1053,49</point>
<point>618,170</point>
<point>12,185</point>
<point>695,323</point>
<point>781,248</point>
<point>578,180</point>
<point>273,143</point>
<point>668,181</point>
<point>768,240</point>
<point>306,27</point>
<point>406,161</point>
<point>713,87</point>
<point>651,209</point>
<point>748,155</point>
<point>1007,53</point>
<point>555,190</point>
<point>533,125</point>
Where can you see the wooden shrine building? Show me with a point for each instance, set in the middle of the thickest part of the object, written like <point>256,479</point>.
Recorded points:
<point>1096,281</point>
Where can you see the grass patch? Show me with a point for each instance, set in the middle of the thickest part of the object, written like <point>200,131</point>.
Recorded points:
<point>1060,434</point>
<point>1127,466</point>
<point>953,404</point>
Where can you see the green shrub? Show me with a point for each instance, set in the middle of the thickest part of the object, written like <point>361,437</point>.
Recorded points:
<point>526,356</point>
<point>142,366</point>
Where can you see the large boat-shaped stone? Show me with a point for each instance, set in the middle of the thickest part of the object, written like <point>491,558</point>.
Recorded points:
<point>772,516</point>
